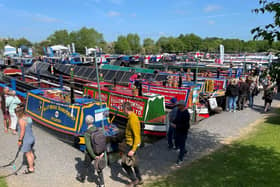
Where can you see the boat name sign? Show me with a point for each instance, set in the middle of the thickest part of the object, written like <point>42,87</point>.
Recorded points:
<point>58,108</point>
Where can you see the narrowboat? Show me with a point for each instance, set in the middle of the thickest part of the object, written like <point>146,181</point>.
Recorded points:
<point>52,108</point>
<point>149,108</point>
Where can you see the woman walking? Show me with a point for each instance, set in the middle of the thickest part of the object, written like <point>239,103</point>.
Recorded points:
<point>12,102</point>
<point>233,92</point>
<point>26,138</point>
<point>269,91</point>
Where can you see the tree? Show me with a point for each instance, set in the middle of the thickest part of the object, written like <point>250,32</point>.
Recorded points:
<point>250,46</point>
<point>122,46</point>
<point>134,43</point>
<point>269,32</point>
<point>149,46</point>
<point>210,44</point>
<point>162,44</point>
<point>86,37</point>
<point>232,45</point>
<point>60,37</point>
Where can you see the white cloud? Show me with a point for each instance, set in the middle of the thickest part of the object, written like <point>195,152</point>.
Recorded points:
<point>211,22</point>
<point>113,14</point>
<point>212,8</point>
<point>44,19</point>
<point>224,15</point>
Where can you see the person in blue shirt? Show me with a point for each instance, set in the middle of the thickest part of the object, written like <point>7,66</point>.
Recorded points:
<point>238,72</point>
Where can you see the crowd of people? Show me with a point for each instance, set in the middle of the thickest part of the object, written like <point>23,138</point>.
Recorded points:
<point>240,92</point>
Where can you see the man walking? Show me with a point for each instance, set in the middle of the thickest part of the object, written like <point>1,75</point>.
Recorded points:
<point>133,141</point>
<point>90,155</point>
<point>182,125</point>
<point>171,131</point>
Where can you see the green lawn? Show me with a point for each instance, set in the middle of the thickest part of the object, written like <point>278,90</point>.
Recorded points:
<point>253,161</point>
<point>3,183</point>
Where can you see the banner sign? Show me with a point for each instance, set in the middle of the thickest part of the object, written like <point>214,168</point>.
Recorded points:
<point>116,101</point>
<point>168,93</point>
<point>60,115</point>
<point>222,54</point>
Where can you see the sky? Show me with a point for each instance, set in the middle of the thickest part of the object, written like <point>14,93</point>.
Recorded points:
<point>37,19</point>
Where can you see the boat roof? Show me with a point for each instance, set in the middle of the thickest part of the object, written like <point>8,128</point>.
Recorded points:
<point>60,95</point>
<point>123,90</point>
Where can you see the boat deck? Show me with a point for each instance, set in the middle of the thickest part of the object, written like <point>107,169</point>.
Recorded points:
<point>61,96</point>
<point>110,87</point>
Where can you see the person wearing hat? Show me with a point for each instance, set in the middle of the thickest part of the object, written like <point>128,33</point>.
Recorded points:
<point>171,131</point>
<point>99,162</point>
<point>182,125</point>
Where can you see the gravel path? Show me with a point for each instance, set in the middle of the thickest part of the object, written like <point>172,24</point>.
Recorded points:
<point>57,163</point>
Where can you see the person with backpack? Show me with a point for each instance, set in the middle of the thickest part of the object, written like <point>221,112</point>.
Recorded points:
<point>132,142</point>
<point>95,141</point>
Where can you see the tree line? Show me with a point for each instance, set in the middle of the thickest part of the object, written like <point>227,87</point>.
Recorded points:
<point>131,43</point>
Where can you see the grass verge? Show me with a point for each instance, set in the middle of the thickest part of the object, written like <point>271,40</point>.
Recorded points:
<point>3,183</point>
<point>251,161</point>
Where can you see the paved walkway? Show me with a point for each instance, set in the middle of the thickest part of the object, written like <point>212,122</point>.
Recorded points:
<point>57,163</point>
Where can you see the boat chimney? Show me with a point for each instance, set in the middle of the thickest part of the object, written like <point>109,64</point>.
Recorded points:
<point>38,77</point>
<point>61,81</point>
<point>140,89</point>
<point>72,85</point>
<point>115,82</point>
<point>72,93</point>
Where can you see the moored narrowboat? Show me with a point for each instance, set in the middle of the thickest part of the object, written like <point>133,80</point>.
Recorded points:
<point>52,108</point>
<point>149,108</point>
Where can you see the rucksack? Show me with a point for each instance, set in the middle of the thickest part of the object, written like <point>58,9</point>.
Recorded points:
<point>255,91</point>
<point>98,141</point>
